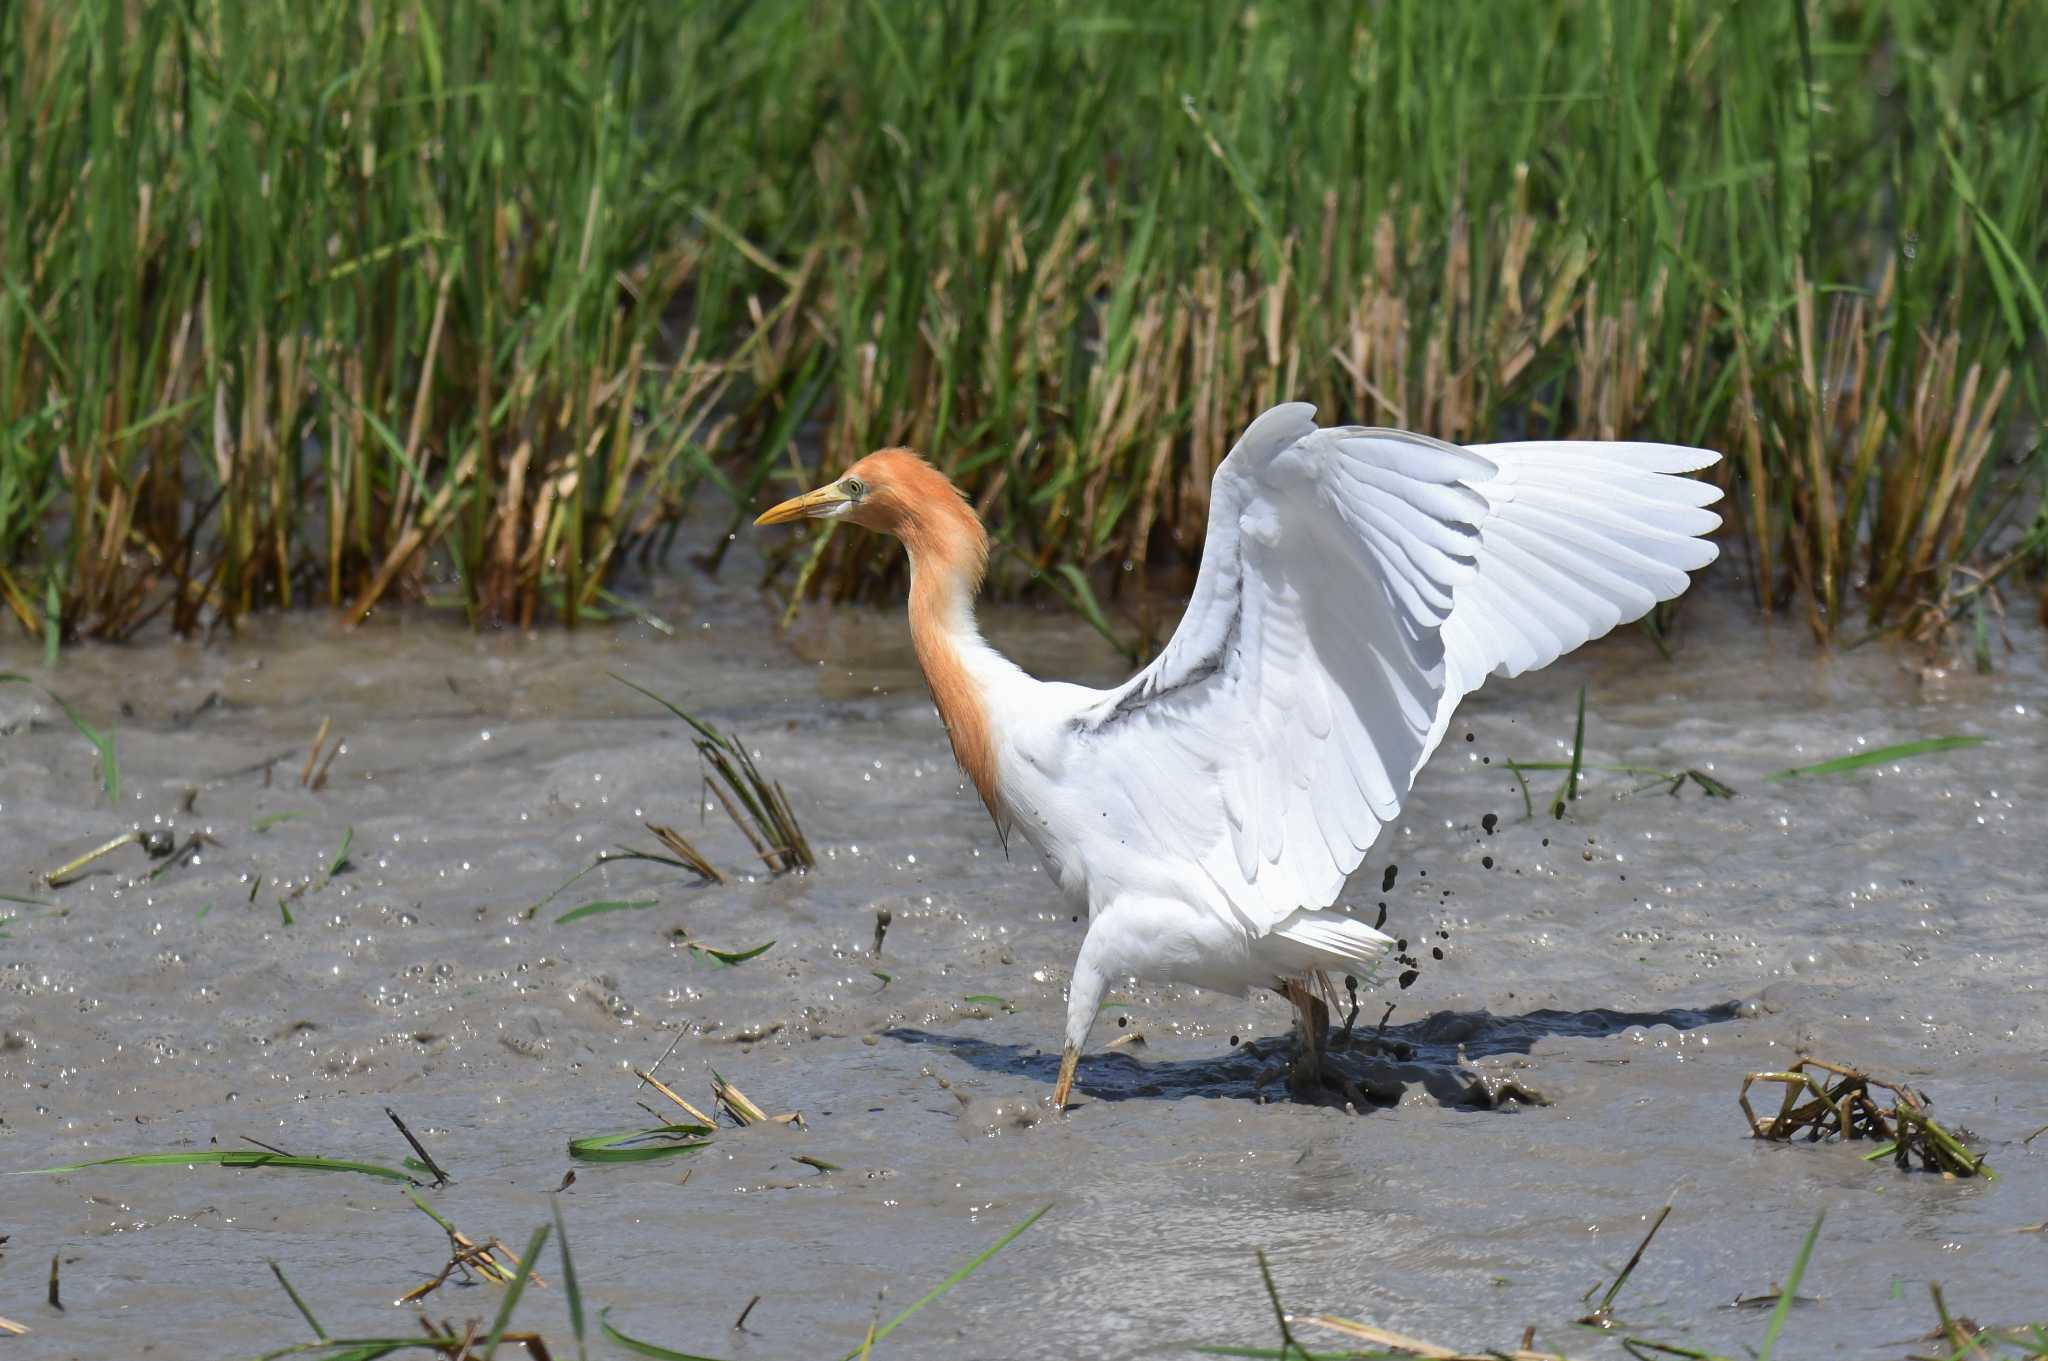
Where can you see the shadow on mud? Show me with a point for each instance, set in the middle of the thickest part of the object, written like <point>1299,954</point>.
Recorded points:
<point>1443,1053</point>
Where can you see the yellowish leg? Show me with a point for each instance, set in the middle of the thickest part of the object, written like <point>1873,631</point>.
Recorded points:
<point>1311,1016</point>
<point>1070,1058</point>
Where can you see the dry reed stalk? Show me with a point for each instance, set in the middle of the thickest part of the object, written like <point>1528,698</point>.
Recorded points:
<point>313,752</point>
<point>735,1101</point>
<point>692,859</point>
<point>662,1087</point>
<point>1388,1341</point>
<point>493,1261</point>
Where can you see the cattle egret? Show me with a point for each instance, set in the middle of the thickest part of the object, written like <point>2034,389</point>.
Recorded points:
<point>1355,585</point>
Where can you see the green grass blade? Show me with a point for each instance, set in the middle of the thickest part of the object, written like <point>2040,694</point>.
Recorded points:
<point>1241,180</point>
<point>1081,597</point>
<point>981,1259</point>
<point>703,730</point>
<point>1568,792</point>
<point>430,1211</point>
<point>355,1348</point>
<point>728,958</point>
<point>1790,1289</point>
<point>1863,759</point>
<point>570,1286</point>
<point>110,766</point>
<point>341,855</point>
<point>641,1145</point>
<point>240,1158</point>
<point>298,1303</point>
<point>515,1290</point>
<point>605,905</point>
<point>1714,788</point>
<point>640,1348</point>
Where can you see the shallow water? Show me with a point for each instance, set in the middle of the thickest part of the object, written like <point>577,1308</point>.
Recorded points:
<point>1626,965</point>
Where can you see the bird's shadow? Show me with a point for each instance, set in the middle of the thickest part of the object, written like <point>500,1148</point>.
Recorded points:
<point>1439,1052</point>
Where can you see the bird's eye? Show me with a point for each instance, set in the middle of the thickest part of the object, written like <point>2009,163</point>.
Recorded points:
<point>853,486</point>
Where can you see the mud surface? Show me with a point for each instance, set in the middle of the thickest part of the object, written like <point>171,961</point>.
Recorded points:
<point>1569,1063</point>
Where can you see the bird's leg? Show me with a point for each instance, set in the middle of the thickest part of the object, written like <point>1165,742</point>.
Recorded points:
<point>1070,1059</point>
<point>1084,1002</point>
<point>1312,1019</point>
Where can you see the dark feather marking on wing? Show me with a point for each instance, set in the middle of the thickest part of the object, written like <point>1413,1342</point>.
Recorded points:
<point>1137,697</point>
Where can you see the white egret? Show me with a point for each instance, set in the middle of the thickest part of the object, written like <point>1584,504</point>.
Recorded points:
<point>1355,585</point>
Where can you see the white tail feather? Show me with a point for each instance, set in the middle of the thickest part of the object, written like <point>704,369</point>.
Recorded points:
<point>1310,940</point>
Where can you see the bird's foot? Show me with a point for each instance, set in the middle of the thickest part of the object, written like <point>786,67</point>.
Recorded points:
<point>1314,1078</point>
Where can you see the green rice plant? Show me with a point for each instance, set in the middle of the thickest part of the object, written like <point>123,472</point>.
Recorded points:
<point>345,303</point>
<point>1668,197</point>
<point>314,304</point>
<point>756,804</point>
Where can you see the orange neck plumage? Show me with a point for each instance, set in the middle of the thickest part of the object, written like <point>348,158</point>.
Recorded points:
<point>948,555</point>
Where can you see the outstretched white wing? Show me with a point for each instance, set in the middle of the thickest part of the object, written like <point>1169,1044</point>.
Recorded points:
<point>1355,585</point>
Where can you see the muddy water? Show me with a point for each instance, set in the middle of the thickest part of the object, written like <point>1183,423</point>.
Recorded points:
<point>1569,1063</point>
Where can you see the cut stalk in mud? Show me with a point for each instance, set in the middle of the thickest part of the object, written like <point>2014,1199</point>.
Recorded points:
<point>756,804</point>
<point>1845,1104</point>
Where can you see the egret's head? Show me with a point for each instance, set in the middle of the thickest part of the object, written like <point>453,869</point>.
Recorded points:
<point>896,492</point>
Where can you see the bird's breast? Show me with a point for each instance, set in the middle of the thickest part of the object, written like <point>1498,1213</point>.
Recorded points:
<point>1039,812</point>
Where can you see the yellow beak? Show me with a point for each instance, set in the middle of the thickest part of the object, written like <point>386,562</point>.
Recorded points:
<point>797,507</point>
